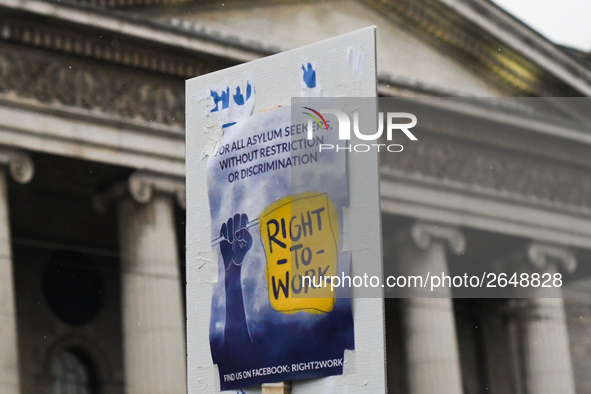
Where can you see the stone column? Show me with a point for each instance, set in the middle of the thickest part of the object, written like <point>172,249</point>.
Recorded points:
<point>432,356</point>
<point>21,168</point>
<point>276,388</point>
<point>153,319</point>
<point>547,364</point>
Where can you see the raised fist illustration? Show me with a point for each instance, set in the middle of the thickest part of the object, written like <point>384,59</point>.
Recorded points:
<point>237,240</point>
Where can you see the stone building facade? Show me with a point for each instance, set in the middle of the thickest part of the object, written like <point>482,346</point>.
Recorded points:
<point>92,187</point>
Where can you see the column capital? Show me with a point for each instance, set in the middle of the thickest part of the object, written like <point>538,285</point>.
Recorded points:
<point>276,388</point>
<point>141,186</point>
<point>423,234</point>
<point>19,163</point>
<point>542,256</point>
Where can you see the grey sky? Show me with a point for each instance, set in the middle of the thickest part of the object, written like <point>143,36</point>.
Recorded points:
<point>565,22</point>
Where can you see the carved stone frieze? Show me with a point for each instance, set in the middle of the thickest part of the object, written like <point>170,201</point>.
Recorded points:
<point>493,169</point>
<point>106,48</point>
<point>70,82</point>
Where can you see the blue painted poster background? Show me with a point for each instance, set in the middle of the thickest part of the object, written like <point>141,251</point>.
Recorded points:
<point>251,342</point>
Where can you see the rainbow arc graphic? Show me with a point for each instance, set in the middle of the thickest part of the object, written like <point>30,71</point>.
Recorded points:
<point>316,118</point>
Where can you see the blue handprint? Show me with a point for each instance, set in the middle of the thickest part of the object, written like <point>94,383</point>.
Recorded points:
<point>224,98</point>
<point>248,90</point>
<point>309,76</point>
<point>238,97</point>
<point>236,242</point>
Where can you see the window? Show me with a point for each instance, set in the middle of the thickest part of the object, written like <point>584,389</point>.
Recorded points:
<point>71,374</point>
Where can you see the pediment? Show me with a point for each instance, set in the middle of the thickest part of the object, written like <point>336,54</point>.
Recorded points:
<point>438,46</point>
<point>402,55</point>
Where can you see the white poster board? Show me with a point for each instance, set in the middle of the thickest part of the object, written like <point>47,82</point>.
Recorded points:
<point>343,67</point>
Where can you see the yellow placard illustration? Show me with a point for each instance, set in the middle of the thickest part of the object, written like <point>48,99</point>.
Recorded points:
<point>301,236</point>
